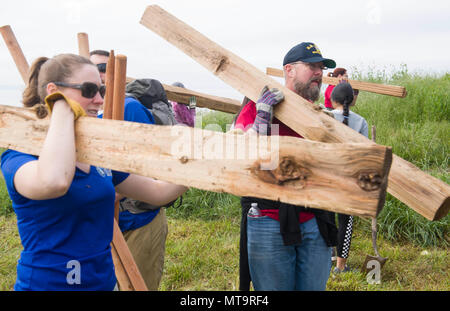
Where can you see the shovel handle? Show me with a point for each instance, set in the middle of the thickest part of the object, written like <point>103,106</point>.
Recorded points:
<point>374,236</point>
<point>374,219</point>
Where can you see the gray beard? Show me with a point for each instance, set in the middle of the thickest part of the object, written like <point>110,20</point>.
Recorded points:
<point>305,90</point>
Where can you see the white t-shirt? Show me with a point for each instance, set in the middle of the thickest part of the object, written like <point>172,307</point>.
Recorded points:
<point>355,121</point>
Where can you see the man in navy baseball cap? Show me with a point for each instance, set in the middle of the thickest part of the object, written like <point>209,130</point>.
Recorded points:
<point>307,52</point>
<point>303,68</point>
<point>296,249</point>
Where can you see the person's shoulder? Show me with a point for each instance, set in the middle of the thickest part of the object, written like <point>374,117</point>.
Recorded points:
<point>247,114</point>
<point>135,111</point>
<point>249,107</point>
<point>9,153</point>
<point>329,88</point>
<point>358,116</point>
<point>132,102</point>
<point>337,112</point>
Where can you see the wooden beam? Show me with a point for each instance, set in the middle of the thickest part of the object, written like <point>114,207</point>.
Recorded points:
<point>182,96</point>
<point>15,51</point>
<point>109,82</point>
<point>392,90</point>
<point>301,172</point>
<point>120,75</point>
<point>427,195</point>
<point>83,44</point>
<point>127,272</point>
<point>130,277</point>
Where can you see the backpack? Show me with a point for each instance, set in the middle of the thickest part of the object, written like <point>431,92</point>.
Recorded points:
<point>152,95</point>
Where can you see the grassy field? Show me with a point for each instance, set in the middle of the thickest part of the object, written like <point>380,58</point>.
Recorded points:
<point>202,250</point>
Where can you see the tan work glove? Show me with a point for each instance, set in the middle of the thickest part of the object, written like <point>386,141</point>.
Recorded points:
<point>50,100</point>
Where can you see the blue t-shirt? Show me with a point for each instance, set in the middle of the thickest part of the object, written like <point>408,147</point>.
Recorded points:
<point>66,240</point>
<point>134,111</point>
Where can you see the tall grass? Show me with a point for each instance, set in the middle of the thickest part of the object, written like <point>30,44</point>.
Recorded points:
<point>206,205</point>
<point>417,128</point>
<point>5,201</point>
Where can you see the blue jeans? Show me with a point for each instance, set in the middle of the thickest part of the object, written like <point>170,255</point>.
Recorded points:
<point>274,266</point>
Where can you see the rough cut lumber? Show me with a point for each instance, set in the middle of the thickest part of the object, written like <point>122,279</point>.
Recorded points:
<point>182,95</point>
<point>16,51</point>
<point>427,195</point>
<point>128,276</point>
<point>353,183</point>
<point>392,90</point>
<point>83,44</point>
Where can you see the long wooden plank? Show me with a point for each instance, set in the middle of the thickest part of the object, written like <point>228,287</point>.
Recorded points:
<point>16,51</point>
<point>109,82</point>
<point>130,278</point>
<point>392,90</point>
<point>123,281</point>
<point>353,183</point>
<point>120,74</point>
<point>182,96</point>
<point>127,272</point>
<point>424,193</point>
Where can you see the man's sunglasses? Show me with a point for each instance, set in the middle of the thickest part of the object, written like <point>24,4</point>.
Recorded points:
<point>88,89</point>
<point>101,67</point>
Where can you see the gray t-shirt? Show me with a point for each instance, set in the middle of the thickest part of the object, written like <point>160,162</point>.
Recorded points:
<point>355,121</point>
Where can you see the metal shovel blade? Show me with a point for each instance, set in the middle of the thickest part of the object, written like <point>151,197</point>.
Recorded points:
<point>368,263</point>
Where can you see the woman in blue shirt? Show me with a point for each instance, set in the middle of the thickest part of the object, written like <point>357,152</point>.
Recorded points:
<point>65,208</point>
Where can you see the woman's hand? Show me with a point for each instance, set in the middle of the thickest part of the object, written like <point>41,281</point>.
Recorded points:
<point>53,98</point>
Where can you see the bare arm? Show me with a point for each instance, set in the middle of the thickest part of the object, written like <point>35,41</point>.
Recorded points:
<point>51,175</point>
<point>151,191</point>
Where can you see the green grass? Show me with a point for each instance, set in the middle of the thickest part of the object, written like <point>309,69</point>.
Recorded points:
<point>208,206</point>
<point>417,128</point>
<point>202,250</point>
<point>10,248</point>
<point>204,255</point>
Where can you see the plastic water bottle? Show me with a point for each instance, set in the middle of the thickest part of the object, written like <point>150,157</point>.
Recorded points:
<point>254,211</point>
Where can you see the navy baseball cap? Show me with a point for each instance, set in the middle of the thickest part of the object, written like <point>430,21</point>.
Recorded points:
<point>307,52</point>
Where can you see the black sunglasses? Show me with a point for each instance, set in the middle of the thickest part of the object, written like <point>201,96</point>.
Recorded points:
<point>88,89</point>
<point>101,67</point>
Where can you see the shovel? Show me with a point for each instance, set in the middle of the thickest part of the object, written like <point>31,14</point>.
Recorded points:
<point>368,263</point>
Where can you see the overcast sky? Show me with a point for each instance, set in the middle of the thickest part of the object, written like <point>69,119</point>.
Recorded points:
<point>356,34</point>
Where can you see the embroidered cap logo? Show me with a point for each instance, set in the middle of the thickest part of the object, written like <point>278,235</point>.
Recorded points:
<point>315,51</point>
